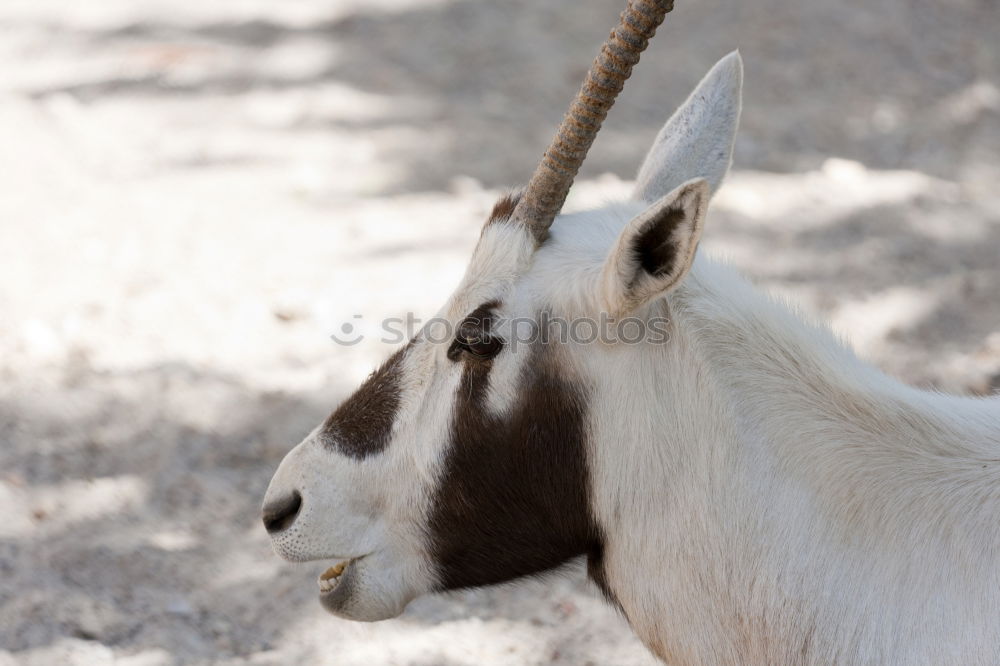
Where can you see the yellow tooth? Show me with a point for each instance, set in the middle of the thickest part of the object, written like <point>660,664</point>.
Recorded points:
<point>333,571</point>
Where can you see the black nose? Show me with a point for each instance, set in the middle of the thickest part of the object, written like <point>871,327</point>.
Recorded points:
<point>281,514</point>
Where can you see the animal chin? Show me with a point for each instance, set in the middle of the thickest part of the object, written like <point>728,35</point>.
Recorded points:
<point>330,579</point>
<point>360,589</point>
<point>339,591</point>
<point>336,585</point>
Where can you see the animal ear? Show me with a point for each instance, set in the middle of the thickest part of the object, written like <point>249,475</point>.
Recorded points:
<point>656,249</point>
<point>697,141</point>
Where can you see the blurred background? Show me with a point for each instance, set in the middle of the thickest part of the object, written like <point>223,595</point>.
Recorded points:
<point>195,195</point>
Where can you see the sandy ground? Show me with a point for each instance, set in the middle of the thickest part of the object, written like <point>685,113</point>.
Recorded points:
<point>195,195</point>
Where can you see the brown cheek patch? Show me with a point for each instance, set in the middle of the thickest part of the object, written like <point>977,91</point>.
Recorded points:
<point>513,499</point>
<point>362,425</point>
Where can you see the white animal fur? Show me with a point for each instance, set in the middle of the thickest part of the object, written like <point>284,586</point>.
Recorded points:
<point>767,497</point>
<point>697,141</point>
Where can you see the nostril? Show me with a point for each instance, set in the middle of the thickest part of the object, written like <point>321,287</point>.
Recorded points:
<point>281,514</point>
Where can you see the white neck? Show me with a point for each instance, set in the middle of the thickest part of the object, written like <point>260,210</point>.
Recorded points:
<point>783,501</point>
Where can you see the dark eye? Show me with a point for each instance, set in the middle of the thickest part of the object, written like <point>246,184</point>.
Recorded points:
<point>486,346</point>
<point>474,338</point>
<point>475,342</point>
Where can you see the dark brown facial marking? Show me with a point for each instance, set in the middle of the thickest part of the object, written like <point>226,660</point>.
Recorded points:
<point>653,247</point>
<point>362,425</point>
<point>513,497</point>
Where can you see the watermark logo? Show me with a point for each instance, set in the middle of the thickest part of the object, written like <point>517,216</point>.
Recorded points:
<point>349,334</point>
<point>544,329</point>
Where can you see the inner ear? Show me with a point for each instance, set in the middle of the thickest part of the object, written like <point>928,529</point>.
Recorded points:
<point>654,247</point>
<point>655,250</point>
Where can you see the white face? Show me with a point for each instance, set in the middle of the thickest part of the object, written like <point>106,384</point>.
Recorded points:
<point>361,500</point>
<point>457,464</point>
<point>417,481</point>
<point>464,463</point>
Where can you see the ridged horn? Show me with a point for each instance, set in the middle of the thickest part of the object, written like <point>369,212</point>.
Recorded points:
<point>546,191</point>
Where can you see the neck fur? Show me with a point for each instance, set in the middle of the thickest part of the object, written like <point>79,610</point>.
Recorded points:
<point>788,485</point>
<point>794,389</point>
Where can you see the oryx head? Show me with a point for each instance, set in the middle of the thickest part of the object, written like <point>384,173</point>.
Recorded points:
<point>464,462</point>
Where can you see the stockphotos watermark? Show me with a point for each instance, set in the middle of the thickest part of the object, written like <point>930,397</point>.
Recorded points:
<point>543,329</point>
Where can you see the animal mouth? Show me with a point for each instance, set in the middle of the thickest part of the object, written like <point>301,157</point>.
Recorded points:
<point>330,579</point>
